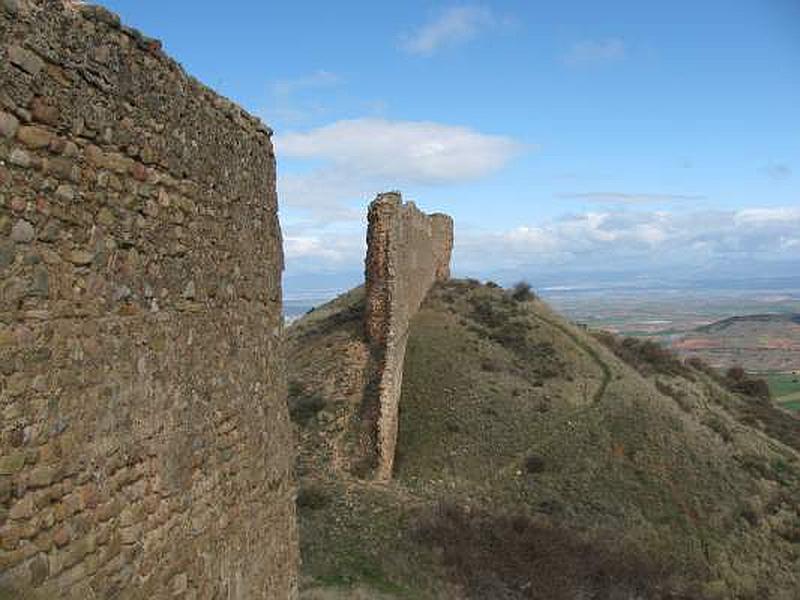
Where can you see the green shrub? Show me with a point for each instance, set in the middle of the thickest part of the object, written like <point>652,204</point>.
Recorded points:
<point>749,514</point>
<point>738,381</point>
<point>791,532</point>
<point>312,497</point>
<point>720,428</point>
<point>646,356</point>
<point>757,409</point>
<point>534,464</point>
<point>521,292</point>
<point>680,396</point>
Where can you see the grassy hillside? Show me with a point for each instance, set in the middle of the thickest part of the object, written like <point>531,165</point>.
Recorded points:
<point>536,460</point>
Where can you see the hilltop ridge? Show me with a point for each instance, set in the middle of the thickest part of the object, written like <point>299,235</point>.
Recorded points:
<point>647,478</point>
<point>530,457</point>
<point>740,319</point>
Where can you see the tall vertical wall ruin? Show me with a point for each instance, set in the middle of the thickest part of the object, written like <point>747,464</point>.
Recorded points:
<point>145,447</point>
<point>407,252</point>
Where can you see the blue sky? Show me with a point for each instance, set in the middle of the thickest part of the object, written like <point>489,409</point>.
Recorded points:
<point>564,137</point>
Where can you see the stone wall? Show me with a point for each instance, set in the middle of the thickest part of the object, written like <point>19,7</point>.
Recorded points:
<point>145,448</point>
<point>407,252</point>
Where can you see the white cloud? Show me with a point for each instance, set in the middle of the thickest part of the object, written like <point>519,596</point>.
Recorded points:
<point>324,193</point>
<point>331,249</point>
<point>307,246</point>
<point>298,100</point>
<point>402,151</point>
<point>645,241</point>
<point>608,239</point>
<point>764,216</point>
<point>354,160</point>
<point>455,25</point>
<point>318,79</point>
<point>324,247</point>
<point>628,198</point>
<point>778,171</point>
<point>595,52</point>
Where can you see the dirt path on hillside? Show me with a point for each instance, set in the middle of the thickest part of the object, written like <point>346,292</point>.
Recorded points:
<point>587,349</point>
<point>596,358</point>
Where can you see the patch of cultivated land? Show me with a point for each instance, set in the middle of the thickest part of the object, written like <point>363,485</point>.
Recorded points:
<point>754,342</point>
<point>785,389</point>
<point>660,312</point>
<point>536,460</point>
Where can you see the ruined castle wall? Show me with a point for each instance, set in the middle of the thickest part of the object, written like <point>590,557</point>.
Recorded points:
<point>145,447</point>
<point>407,252</point>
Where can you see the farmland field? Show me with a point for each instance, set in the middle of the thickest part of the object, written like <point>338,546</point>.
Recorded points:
<point>785,388</point>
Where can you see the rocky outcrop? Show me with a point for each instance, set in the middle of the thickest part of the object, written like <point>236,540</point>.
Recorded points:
<point>407,252</point>
<point>145,448</point>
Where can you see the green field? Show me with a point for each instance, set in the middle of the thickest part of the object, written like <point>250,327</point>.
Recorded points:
<point>785,388</point>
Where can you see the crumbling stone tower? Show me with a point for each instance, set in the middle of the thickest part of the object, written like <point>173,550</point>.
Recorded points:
<point>145,448</point>
<point>407,252</point>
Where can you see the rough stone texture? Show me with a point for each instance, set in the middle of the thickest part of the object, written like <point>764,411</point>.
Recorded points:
<point>407,252</point>
<point>145,447</point>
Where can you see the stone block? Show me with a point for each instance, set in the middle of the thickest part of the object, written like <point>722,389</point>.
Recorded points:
<point>9,124</point>
<point>44,112</point>
<point>34,137</point>
<point>41,476</point>
<point>22,509</point>
<point>20,158</point>
<point>22,232</point>
<point>25,60</point>
<point>12,463</point>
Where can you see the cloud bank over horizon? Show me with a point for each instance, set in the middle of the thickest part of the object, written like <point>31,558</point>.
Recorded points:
<point>623,240</point>
<point>694,237</point>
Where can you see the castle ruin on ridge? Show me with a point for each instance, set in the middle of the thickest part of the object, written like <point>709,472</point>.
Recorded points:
<point>407,252</point>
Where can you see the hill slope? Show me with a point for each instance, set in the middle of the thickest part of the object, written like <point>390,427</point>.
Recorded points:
<point>768,342</point>
<point>533,462</point>
<point>746,320</point>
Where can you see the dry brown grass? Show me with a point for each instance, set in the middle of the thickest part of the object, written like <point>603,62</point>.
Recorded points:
<point>515,557</point>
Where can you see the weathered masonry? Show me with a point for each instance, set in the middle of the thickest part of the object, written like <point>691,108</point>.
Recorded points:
<point>407,252</point>
<point>144,437</point>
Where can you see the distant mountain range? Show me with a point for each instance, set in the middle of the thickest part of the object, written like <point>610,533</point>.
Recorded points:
<point>748,320</point>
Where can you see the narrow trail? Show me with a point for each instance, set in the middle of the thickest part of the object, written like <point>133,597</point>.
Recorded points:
<point>596,397</point>
<point>593,354</point>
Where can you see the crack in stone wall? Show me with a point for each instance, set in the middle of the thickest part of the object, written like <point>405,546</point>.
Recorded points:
<point>145,446</point>
<point>407,252</point>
